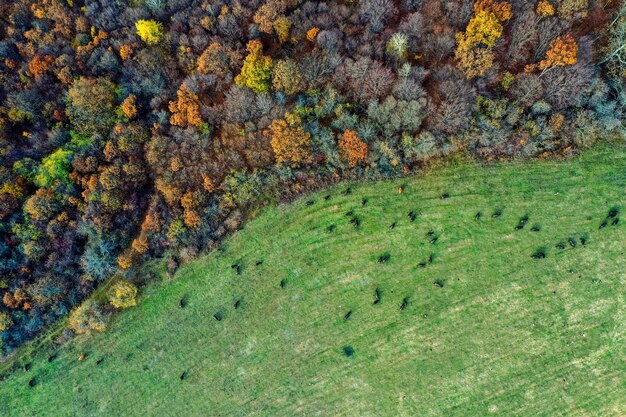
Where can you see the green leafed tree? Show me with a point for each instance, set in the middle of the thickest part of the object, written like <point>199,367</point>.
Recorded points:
<point>55,167</point>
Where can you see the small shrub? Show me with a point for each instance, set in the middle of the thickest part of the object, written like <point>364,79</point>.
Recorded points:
<point>123,294</point>
<point>87,318</point>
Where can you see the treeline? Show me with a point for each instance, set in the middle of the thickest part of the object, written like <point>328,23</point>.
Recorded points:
<point>128,129</point>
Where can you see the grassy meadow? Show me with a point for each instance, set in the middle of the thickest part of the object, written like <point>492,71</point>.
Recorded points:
<point>419,307</point>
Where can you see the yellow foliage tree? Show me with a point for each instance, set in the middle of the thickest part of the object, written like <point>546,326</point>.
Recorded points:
<point>507,80</point>
<point>257,69</point>
<point>286,77</point>
<point>289,141</point>
<point>5,321</point>
<point>545,8</point>
<point>353,149</point>
<point>484,28</point>
<point>123,294</point>
<point>473,61</point>
<point>573,9</point>
<point>150,31</point>
<point>473,52</point>
<point>282,26</point>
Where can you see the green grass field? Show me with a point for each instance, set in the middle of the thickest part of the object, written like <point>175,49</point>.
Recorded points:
<point>485,330</point>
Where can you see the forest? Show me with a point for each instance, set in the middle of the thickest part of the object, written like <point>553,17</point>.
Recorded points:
<point>137,129</point>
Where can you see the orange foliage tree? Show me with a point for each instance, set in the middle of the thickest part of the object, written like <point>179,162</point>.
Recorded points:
<point>191,218</point>
<point>502,10</point>
<point>289,141</point>
<point>190,201</point>
<point>129,106</point>
<point>186,110</point>
<point>125,51</point>
<point>40,64</point>
<point>353,149</point>
<point>15,300</point>
<point>214,59</point>
<point>127,259</point>
<point>152,222</point>
<point>311,34</point>
<point>140,244</point>
<point>268,13</point>
<point>562,52</point>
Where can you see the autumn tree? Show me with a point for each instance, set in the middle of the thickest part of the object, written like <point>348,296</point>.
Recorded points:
<point>311,34</point>
<point>91,105</point>
<point>15,300</point>
<point>257,69</point>
<point>150,31</point>
<point>42,205</point>
<point>191,202</point>
<point>140,244</point>
<point>474,46</point>
<point>353,149</point>
<point>282,26</point>
<point>208,184</point>
<point>289,140</point>
<point>214,59</point>
<point>40,64</point>
<point>485,28</point>
<point>502,9</point>
<point>376,13</point>
<point>126,51</point>
<point>473,61</point>
<point>286,77</point>
<point>544,8</point>
<point>87,318</point>
<point>562,52</point>
<point>397,46</point>
<point>5,321</point>
<point>129,107</point>
<point>573,9</point>
<point>186,109</point>
<point>127,259</point>
<point>123,294</point>
<point>268,13</point>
